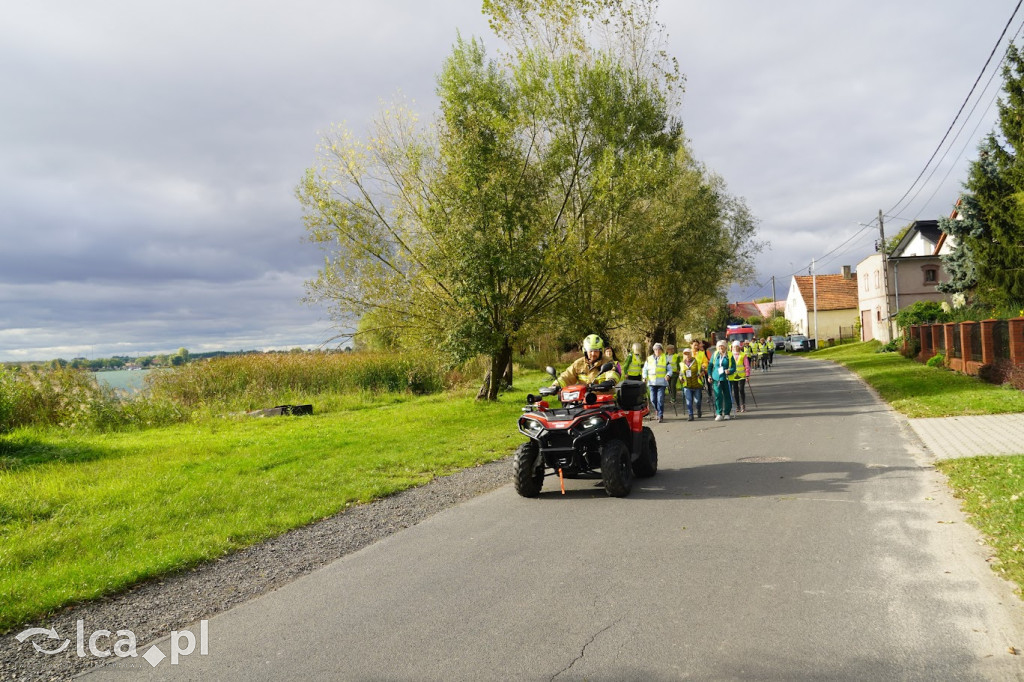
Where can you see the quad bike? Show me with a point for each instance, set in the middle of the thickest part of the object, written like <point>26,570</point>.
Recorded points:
<point>593,431</point>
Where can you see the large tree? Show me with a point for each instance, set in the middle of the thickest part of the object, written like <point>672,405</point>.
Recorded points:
<point>467,233</point>
<point>990,249</point>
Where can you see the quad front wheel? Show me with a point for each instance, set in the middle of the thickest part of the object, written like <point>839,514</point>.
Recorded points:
<point>529,478</point>
<point>616,469</point>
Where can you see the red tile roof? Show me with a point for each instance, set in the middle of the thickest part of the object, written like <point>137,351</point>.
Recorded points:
<point>834,292</point>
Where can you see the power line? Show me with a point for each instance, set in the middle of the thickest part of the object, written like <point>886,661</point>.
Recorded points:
<point>962,106</point>
<point>970,138</point>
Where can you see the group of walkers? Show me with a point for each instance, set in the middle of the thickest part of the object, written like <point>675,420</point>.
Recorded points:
<point>724,372</point>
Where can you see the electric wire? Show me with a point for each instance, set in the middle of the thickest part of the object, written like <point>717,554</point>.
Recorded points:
<point>962,106</point>
<point>970,138</point>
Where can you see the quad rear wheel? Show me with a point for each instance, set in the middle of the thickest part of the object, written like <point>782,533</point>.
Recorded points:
<point>646,465</point>
<point>616,469</point>
<point>529,478</point>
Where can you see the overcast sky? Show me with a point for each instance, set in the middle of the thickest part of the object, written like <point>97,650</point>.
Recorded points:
<point>149,151</point>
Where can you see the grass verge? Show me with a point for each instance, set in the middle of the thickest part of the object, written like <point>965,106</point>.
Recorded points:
<point>992,490</point>
<point>88,514</point>
<point>917,390</point>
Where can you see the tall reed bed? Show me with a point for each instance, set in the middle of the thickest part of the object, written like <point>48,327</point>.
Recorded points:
<point>73,399</point>
<point>250,381</point>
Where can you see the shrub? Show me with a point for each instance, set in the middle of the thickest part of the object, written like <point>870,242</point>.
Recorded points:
<point>937,360</point>
<point>1015,377</point>
<point>911,348</point>
<point>997,372</point>
<point>891,347</point>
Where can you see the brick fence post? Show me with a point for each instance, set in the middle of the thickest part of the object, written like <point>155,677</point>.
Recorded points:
<point>966,349</point>
<point>953,362</point>
<point>988,342</point>
<point>1016,326</point>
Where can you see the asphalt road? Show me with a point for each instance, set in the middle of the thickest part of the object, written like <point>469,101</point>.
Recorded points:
<point>848,560</point>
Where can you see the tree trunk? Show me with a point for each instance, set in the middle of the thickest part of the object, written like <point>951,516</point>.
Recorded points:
<point>499,361</point>
<point>506,378</point>
<point>486,388</point>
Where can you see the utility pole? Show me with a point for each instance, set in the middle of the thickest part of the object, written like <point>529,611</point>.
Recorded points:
<point>885,275</point>
<point>814,289</point>
<point>773,294</point>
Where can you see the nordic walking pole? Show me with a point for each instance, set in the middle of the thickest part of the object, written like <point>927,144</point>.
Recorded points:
<point>750,387</point>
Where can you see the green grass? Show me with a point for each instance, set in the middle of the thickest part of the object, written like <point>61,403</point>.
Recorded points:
<point>917,390</point>
<point>88,514</point>
<point>992,490</point>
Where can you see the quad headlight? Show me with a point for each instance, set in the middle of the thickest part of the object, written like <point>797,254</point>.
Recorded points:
<point>531,427</point>
<point>591,423</point>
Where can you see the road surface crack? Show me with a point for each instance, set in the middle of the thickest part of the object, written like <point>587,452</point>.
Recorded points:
<point>583,649</point>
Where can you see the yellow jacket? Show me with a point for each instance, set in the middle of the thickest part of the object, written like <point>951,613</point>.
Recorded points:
<point>583,372</point>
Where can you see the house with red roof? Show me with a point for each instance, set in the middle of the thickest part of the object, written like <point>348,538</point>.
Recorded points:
<point>823,306</point>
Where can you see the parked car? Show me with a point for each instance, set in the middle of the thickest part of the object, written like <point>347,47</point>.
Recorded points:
<point>779,342</point>
<point>796,342</point>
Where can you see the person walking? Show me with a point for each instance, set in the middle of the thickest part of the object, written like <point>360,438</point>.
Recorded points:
<point>633,365</point>
<point>656,373</point>
<point>609,356</point>
<point>673,362</point>
<point>693,387</point>
<point>739,378</point>
<point>721,366</point>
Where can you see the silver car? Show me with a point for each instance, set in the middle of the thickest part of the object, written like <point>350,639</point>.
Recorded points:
<point>796,342</point>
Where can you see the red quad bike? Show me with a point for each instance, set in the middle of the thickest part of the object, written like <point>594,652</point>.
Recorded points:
<point>592,431</point>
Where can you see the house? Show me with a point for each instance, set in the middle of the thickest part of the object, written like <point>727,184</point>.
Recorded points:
<point>746,309</point>
<point>823,306</point>
<point>911,273</point>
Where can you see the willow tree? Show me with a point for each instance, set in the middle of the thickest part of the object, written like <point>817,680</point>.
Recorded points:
<point>466,233</point>
<point>690,242</point>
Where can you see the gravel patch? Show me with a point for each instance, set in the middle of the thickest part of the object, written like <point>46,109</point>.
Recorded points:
<point>154,608</point>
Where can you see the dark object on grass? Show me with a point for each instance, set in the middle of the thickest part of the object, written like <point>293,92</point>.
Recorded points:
<point>282,410</point>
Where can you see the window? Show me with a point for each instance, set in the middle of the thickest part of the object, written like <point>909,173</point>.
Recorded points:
<point>931,275</point>
<point>876,279</point>
<point>878,314</point>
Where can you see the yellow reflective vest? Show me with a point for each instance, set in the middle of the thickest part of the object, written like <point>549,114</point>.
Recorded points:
<point>656,369</point>
<point>741,367</point>
<point>689,375</point>
<point>633,367</point>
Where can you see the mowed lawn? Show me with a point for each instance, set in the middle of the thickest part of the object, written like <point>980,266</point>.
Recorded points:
<point>86,515</point>
<point>917,390</point>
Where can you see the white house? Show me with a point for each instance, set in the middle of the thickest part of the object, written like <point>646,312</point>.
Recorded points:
<point>823,306</point>
<point>910,274</point>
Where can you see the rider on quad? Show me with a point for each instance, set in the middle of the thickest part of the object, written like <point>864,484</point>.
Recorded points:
<point>587,370</point>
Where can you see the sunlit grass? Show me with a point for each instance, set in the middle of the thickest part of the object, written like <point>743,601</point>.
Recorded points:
<point>992,490</point>
<point>917,390</point>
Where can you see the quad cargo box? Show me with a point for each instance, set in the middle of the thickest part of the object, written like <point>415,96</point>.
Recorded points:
<point>631,395</point>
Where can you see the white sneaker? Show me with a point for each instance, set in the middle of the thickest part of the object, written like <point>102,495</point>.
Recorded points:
<point>718,417</point>
<point>726,417</point>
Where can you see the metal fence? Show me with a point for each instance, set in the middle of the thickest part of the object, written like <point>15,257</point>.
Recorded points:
<point>939,332</point>
<point>1001,339</point>
<point>975,336</point>
<point>957,353</point>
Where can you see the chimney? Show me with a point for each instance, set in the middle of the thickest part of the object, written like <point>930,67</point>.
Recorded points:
<point>846,272</point>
